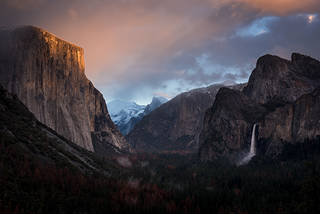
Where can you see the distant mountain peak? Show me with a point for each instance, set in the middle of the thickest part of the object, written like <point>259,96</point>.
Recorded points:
<point>155,103</point>
<point>125,114</point>
<point>175,125</point>
<point>115,106</point>
<point>160,99</point>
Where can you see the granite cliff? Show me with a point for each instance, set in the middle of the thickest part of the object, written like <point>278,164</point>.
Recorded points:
<point>24,136</point>
<point>277,80</point>
<point>48,76</point>
<point>293,123</point>
<point>227,124</point>
<point>281,98</point>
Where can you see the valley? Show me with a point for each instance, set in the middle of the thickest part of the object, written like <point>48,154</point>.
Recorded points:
<point>242,148</point>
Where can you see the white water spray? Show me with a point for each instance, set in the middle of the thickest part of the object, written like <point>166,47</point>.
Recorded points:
<point>252,151</point>
<point>253,141</point>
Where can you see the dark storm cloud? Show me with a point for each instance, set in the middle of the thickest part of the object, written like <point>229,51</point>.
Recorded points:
<point>286,35</point>
<point>137,48</point>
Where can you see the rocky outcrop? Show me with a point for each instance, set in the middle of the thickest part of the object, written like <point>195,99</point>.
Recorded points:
<point>279,98</point>
<point>276,80</point>
<point>24,136</point>
<point>47,74</point>
<point>292,123</point>
<point>176,124</point>
<point>227,124</point>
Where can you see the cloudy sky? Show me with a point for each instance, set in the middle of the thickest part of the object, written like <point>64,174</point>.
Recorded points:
<point>136,49</point>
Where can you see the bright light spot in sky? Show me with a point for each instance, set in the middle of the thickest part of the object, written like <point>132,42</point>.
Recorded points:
<point>311,18</point>
<point>257,27</point>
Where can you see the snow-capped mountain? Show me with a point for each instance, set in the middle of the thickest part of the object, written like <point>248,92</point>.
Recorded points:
<point>127,114</point>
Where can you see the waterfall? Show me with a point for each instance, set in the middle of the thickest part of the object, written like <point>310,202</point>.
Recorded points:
<point>252,151</point>
<point>253,141</point>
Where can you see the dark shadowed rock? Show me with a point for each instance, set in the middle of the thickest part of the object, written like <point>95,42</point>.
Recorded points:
<point>279,97</point>
<point>277,80</point>
<point>21,132</point>
<point>176,124</point>
<point>292,123</point>
<point>227,124</point>
<point>47,74</point>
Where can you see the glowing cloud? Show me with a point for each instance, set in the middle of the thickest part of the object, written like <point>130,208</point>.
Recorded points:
<point>135,48</point>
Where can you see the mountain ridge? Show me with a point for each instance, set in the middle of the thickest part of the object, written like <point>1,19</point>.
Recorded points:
<point>175,125</point>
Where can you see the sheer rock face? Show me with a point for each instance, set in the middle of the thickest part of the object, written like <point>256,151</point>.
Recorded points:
<point>294,122</point>
<point>175,125</point>
<point>27,137</point>
<point>278,80</point>
<point>47,74</point>
<point>279,97</point>
<point>227,124</point>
